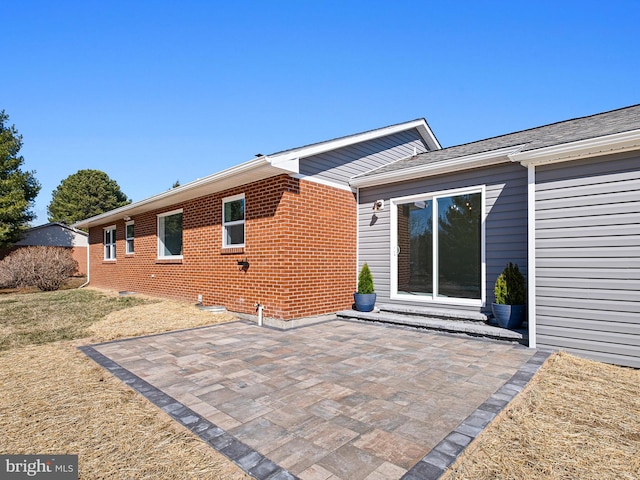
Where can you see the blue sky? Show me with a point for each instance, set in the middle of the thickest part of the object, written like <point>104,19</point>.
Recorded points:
<point>154,92</point>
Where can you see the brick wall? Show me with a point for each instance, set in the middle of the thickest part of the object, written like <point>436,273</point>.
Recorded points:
<point>300,240</point>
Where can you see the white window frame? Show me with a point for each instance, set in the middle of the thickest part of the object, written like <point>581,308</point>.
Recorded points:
<point>109,249</point>
<point>434,299</point>
<point>234,223</point>
<point>129,250</point>
<point>160,234</point>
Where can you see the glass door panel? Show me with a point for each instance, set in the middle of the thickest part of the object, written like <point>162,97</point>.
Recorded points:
<point>459,245</point>
<point>415,248</point>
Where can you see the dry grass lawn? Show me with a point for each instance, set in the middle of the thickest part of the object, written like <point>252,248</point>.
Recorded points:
<point>55,400</point>
<point>576,420</point>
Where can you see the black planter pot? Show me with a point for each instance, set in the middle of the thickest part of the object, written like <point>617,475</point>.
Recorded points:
<point>509,316</point>
<point>364,301</point>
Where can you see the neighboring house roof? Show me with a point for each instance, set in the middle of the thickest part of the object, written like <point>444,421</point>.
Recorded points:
<point>264,166</point>
<point>54,234</point>
<point>609,132</point>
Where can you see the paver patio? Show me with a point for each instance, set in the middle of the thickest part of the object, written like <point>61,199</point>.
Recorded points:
<point>336,400</point>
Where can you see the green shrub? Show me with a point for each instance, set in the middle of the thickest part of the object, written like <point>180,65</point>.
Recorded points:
<point>510,288</point>
<point>47,268</point>
<point>365,280</point>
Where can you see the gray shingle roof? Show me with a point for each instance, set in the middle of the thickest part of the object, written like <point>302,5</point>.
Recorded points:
<point>607,123</point>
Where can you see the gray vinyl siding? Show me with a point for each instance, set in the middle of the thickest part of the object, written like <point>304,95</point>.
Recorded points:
<point>341,164</point>
<point>505,224</point>
<point>588,258</point>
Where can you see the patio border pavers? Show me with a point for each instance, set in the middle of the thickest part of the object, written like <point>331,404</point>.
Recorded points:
<point>434,464</point>
<point>430,467</point>
<point>249,460</point>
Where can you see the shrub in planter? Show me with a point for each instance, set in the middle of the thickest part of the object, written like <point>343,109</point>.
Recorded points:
<point>365,298</point>
<point>47,268</point>
<point>511,296</point>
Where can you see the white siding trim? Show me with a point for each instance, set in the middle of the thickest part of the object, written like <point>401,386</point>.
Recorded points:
<point>615,143</point>
<point>531,253</point>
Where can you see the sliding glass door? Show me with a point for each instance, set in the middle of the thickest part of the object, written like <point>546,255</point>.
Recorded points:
<point>438,247</point>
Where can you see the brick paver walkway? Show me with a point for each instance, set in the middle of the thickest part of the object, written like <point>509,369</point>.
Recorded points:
<point>337,400</point>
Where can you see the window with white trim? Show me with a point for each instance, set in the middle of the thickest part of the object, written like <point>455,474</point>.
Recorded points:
<point>233,221</point>
<point>130,235</point>
<point>110,242</point>
<point>438,252</point>
<point>170,235</point>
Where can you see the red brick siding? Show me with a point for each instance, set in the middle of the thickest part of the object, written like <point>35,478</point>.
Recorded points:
<point>300,242</point>
<point>80,255</point>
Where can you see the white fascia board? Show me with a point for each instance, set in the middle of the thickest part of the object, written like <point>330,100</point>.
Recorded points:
<point>428,136</point>
<point>484,159</point>
<point>247,172</point>
<point>303,152</point>
<point>592,147</point>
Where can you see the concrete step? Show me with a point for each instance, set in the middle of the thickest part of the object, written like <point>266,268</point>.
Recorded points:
<point>474,327</point>
<point>445,314</point>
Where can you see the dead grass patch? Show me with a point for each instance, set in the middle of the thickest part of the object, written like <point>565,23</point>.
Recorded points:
<point>576,419</point>
<point>157,317</point>
<point>44,317</point>
<point>55,400</point>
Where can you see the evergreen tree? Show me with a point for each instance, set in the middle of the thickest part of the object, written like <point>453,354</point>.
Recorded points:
<point>18,189</point>
<point>85,194</point>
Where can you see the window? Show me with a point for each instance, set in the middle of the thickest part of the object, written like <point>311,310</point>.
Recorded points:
<point>170,234</point>
<point>110,243</point>
<point>233,221</point>
<point>129,237</point>
<point>439,247</point>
